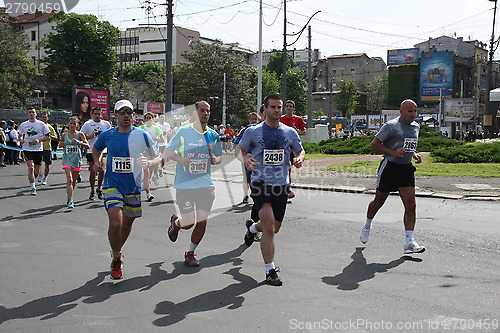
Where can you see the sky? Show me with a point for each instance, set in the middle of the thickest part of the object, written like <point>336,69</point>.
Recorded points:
<point>342,26</point>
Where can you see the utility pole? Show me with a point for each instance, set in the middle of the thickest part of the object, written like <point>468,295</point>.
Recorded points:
<point>168,57</point>
<point>283,76</point>
<point>259,70</point>
<point>488,110</point>
<point>224,102</point>
<point>309,81</point>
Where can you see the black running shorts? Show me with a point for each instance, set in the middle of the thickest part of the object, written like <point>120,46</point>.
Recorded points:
<point>35,156</point>
<point>277,196</point>
<point>392,176</point>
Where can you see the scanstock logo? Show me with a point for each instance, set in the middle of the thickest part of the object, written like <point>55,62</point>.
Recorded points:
<point>32,6</point>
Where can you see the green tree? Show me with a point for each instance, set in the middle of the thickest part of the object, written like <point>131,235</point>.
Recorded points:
<point>347,97</point>
<point>128,92</point>
<point>318,113</point>
<point>275,63</point>
<point>140,71</point>
<point>270,83</point>
<point>296,89</point>
<point>153,77</point>
<point>80,52</point>
<point>296,84</point>
<point>16,69</point>
<point>376,90</point>
<point>202,77</point>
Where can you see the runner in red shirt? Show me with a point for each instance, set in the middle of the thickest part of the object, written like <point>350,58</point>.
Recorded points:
<point>299,125</point>
<point>229,138</point>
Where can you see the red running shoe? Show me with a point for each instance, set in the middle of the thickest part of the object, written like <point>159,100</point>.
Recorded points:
<point>190,260</point>
<point>173,229</point>
<point>116,269</point>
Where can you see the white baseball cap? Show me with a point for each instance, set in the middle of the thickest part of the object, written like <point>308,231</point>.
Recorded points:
<point>123,103</point>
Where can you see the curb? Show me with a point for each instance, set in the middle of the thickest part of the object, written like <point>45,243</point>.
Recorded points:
<point>362,190</point>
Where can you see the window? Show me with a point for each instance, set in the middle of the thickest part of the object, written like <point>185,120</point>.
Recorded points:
<point>33,35</point>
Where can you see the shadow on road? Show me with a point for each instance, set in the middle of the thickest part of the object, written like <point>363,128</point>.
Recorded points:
<point>95,291</point>
<point>230,297</point>
<point>359,270</point>
<point>34,213</point>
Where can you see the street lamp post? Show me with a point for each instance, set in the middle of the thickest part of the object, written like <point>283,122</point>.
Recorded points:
<point>489,110</point>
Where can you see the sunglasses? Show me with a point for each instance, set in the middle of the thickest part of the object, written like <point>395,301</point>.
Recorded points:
<point>123,111</point>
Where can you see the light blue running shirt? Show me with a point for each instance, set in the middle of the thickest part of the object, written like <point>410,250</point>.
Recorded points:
<point>190,143</point>
<point>271,148</point>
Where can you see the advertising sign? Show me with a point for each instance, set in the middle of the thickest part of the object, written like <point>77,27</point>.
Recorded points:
<point>86,99</point>
<point>436,74</point>
<point>402,57</point>
<point>456,107</point>
<point>374,121</point>
<point>154,107</point>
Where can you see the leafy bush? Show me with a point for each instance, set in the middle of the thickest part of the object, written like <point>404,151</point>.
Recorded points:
<point>312,148</point>
<point>469,153</point>
<point>431,143</point>
<point>356,145</point>
<point>426,131</point>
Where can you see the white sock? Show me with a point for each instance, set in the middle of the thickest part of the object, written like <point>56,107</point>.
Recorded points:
<point>409,236</point>
<point>269,267</point>
<point>253,228</point>
<point>192,247</point>
<point>368,223</point>
<point>32,185</point>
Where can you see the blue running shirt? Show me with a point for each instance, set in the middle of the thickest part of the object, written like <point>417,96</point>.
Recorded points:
<point>190,143</point>
<point>271,147</point>
<point>122,170</point>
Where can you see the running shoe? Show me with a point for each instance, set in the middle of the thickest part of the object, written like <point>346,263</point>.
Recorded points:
<point>364,235</point>
<point>150,197</point>
<point>33,191</point>
<point>116,269</point>
<point>2,165</point>
<point>190,260</point>
<point>245,199</point>
<point>70,204</point>
<point>39,178</point>
<point>272,278</point>
<point>173,229</point>
<point>44,181</point>
<point>249,236</point>
<point>92,196</point>
<point>257,237</point>
<point>413,247</point>
<point>291,195</point>
<point>99,194</point>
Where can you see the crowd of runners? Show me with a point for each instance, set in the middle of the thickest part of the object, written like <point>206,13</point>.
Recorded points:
<point>123,161</point>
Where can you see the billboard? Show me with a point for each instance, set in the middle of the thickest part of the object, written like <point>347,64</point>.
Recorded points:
<point>402,57</point>
<point>459,108</point>
<point>436,74</point>
<point>86,99</point>
<point>154,107</point>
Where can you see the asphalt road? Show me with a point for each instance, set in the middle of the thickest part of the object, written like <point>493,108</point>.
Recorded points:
<point>54,266</point>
